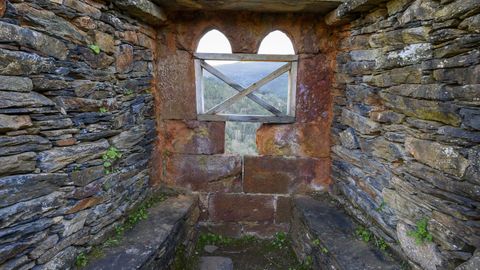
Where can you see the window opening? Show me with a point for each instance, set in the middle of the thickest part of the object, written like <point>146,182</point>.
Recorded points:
<point>245,90</point>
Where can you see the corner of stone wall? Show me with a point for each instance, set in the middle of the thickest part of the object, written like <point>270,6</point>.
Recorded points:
<point>405,130</point>
<point>75,84</point>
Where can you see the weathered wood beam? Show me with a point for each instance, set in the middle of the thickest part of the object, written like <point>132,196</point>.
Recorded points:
<point>246,118</point>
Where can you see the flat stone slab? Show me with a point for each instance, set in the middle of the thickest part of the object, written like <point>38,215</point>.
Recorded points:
<point>215,263</point>
<point>142,245</point>
<point>336,231</point>
<point>318,6</point>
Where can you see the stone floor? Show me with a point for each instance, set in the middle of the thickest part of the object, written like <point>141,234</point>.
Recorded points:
<point>322,237</point>
<point>325,232</point>
<point>151,243</point>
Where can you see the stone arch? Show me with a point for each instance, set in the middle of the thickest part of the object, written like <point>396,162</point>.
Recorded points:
<point>213,41</point>
<point>276,36</point>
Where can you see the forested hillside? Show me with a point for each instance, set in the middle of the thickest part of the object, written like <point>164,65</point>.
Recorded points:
<point>240,137</point>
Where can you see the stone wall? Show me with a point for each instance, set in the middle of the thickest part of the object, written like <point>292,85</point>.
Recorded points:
<point>252,193</point>
<point>62,107</point>
<point>406,131</point>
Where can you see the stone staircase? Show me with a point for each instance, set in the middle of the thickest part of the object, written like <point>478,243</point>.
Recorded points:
<point>326,234</point>
<point>152,243</point>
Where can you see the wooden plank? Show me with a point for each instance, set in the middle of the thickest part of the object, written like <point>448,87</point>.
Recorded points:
<point>199,86</point>
<point>239,88</point>
<point>227,103</point>
<point>247,57</point>
<point>246,118</point>
<point>292,87</point>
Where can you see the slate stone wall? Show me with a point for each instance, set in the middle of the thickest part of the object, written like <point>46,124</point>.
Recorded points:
<point>406,131</point>
<point>62,106</point>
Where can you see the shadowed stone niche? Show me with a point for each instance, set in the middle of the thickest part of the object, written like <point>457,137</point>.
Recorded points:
<point>294,158</point>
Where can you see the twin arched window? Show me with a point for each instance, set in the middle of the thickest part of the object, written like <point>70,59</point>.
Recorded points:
<point>275,42</point>
<point>246,87</point>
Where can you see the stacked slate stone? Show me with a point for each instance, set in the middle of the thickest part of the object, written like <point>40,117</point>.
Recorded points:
<point>74,83</point>
<point>407,126</point>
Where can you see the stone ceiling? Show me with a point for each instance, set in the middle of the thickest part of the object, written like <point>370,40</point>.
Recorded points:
<point>317,6</point>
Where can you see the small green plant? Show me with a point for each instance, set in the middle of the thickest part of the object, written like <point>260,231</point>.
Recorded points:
<point>76,168</point>
<point>96,252</point>
<point>81,260</point>
<point>381,207</point>
<point>109,158</point>
<point>316,242</point>
<point>129,92</point>
<point>103,110</point>
<point>280,240</point>
<point>421,233</point>
<point>364,234</point>
<point>324,250</point>
<point>380,243</point>
<point>307,264</point>
<point>95,48</point>
<point>111,242</point>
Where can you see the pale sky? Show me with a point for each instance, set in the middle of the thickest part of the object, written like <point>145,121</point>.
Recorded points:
<point>274,43</point>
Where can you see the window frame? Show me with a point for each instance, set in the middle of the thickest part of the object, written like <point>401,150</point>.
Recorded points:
<point>290,68</point>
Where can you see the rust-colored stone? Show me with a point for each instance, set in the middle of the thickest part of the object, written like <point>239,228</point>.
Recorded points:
<point>284,175</point>
<point>105,41</point>
<point>3,7</point>
<point>283,211</point>
<point>194,137</point>
<point>129,36</point>
<point>176,86</point>
<point>313,88</point>
<point>323,170</point>
<point>264,230</point>
<point>66,142</point>
<point>124,58</point>
<point>84,204</point>
<point>204,172</point>
<point>300,139</point>
<point>241,207</point>
<point>85,23</point>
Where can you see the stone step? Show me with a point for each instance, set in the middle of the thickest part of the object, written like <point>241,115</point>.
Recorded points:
<point>152,242</point>
<point>327,234</point>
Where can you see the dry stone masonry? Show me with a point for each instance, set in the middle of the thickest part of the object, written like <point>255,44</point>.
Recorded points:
<point>62,106</point>
<point>98,111</point>
<point>406,129</point>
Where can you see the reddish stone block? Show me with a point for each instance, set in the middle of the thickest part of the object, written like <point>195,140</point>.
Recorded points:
<point>176,86</point>
<point>124,58</point>
<point>211,173</point>
<point>323,171</point>
<point>300,139</point>
<point>225,207</point>
<point>84,204</point>
<point>313,88</point>
<point>284,175</point>
<point>3,7</point>
<point>230,229</point>
<point>283,211</point>
<point>66,142</point>
<point>264,230</point>
<point>194,137</point>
